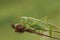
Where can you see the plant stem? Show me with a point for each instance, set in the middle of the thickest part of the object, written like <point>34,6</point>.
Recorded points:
<point>47,35</point>
<point>33,31</point>
<point>54,31</point>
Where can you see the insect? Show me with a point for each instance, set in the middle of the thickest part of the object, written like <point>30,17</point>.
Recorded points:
<point>37,24</point>
<point>34,25</point>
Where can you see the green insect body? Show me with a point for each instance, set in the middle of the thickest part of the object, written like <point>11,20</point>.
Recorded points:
<point>37,24</point>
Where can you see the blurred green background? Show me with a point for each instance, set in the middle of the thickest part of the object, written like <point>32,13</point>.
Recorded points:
<point>10,9</point>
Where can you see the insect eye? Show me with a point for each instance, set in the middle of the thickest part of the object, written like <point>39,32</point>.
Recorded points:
<point>13,26</point>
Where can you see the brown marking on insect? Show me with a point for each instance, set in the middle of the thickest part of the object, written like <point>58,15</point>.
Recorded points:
<point>18,27</point>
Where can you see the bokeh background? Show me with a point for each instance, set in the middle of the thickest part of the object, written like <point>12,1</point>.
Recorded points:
<point>10,9</point>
